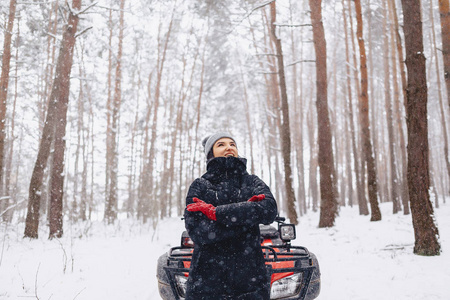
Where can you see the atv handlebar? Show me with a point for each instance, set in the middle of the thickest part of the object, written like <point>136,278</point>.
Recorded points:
<point>280,219</point>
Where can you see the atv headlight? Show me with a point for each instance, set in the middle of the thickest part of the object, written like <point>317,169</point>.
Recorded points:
<point>180,281</point>
<point>286,287</point>
<point>287,232</point>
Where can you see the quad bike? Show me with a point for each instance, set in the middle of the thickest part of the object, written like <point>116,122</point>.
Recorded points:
<point>295,273</point>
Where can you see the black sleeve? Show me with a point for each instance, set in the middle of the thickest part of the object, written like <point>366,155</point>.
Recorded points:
<point>249,213</point>
<point>201,229</point>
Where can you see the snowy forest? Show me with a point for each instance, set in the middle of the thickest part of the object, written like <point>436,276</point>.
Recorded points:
<point>340,106</point>
<point>104,105</point>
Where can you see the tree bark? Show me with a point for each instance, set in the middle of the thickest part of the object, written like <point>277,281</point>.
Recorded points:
<point>109,112</point>
<point>364,120</point>
<point>248,120</point>
<point>111,205</point>
<point>441,105</point>
<point>313,188</point>
<point>57,176</point>
<point>328,203</point>
<point>54,129</point>
<point>399,119</point>
<point>358,161</point>
<point>444,12</point>
<point>274,118</point>
<point>9,192</point>
<point>425,230</point>
<point>393,195</point>
<point>285,126</point>
<point>4,82</point>
<point>151,205</point>
<point>144,177</point>
<point>297,87</point>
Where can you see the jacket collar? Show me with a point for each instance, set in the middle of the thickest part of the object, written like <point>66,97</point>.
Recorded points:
<point>220,168</point>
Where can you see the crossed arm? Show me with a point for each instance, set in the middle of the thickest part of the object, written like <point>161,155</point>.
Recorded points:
<point>208,224</point>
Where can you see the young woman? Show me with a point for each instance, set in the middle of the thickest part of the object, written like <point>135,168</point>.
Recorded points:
<point>224,209</point>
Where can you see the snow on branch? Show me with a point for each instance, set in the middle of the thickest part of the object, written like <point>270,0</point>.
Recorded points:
<point>82,32</point>
<point>11,206</point>
<point>251,12</point>
<point>37,3</point>
<point>300,61</point>
<point>292,25</point>
<point>256,8</point>
<point>81,11</point>
<point>53,36</point>
<point>87,8</point>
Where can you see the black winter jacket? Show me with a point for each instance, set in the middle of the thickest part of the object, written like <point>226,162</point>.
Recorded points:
<point>227,262</point>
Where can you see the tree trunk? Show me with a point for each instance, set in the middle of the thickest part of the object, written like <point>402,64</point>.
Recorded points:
<point>4,82</point>
<point>109,112</point>
<point>177,133</point>
<point>314,193</point>
<point>444,12</point>
<point>364,120</point>
<point>393,195</point>
<point>328,203</point>
<point>62,103</point>
<point>348,158</point>
<point>441,105</point>
<point>111,205</point>
<point>297,85</point>
<point>9,192</point>
<point>381,176</point>
<point>359,171</point>
<point>85,204</point>
<point>144,177</point>
<point>57,107</point>
<point>425,230</point>
<point>130,203</point>
<point>271,103</point>
<point>150,204</point>
<point>397,49</point>
<point>286,133</point>
<point>248,120</point>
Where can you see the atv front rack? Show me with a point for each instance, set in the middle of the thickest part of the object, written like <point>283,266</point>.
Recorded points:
<point>275,256</point>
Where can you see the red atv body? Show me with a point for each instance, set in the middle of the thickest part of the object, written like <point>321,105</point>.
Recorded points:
<point>295,272</point>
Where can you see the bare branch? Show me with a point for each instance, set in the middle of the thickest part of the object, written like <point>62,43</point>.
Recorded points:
<point>300,61</point>
<point>265,54</point>
<point>35,282</point>
<point>79,293</point>
<point>87,8</point>
<point>64,256</point>
<point>11,206</point>
<point>267,73</point>
<point>3,246</point>
<point>36,3</point>
<point>82,32</point>
<point>292,25</point>
<point>53,36</point>
<point>249,14</point>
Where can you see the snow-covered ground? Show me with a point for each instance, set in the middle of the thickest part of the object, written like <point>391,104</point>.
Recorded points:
<point>359,259</point>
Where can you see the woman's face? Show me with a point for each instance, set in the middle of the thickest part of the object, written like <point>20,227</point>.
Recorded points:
<point>225,147</point>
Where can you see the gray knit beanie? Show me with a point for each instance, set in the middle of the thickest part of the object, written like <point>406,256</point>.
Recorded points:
<point>209,141</point>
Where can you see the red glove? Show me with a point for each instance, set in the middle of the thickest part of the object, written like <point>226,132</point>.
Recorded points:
<point>207,209</point>
<point>257,198</point>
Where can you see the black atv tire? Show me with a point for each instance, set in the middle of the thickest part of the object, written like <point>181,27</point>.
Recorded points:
<point>314,284</point>
<point>165,291</point>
